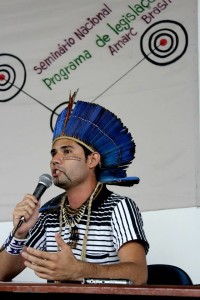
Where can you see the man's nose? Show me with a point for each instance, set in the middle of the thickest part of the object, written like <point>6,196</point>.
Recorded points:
<point>57,159</point>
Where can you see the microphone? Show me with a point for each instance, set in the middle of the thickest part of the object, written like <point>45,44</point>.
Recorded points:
<point>45,181</point>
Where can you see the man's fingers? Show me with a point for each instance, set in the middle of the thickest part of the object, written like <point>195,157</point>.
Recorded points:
<point>60,241</point>
<point>36,253</point>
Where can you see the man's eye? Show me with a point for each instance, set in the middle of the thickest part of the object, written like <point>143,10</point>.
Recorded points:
<point>66,151</point>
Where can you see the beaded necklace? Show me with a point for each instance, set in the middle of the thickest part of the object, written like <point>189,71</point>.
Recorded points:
<point>71,217</point>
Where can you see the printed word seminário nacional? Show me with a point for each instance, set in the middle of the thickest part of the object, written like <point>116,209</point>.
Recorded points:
<point>67,43</point>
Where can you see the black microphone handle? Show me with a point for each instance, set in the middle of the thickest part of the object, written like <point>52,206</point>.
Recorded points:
<point>39,191</point>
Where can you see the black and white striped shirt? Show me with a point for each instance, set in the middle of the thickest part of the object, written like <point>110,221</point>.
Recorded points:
<point>114,221</point>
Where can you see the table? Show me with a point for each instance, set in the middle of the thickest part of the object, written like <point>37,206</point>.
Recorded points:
<point>95,291</point>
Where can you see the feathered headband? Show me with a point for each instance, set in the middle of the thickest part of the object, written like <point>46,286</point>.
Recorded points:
<point>99,130</point>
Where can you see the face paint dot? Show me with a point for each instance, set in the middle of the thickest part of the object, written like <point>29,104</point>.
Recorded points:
<point>163,42</point>
<point>2,77</point>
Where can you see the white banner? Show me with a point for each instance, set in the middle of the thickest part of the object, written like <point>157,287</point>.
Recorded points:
<point>135,57</point>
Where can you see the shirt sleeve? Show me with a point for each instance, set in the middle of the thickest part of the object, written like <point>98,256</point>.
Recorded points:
<point>127,224</point>
<point>37,237</point>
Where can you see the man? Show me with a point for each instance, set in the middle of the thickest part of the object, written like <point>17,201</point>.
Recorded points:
<point>87,231</point>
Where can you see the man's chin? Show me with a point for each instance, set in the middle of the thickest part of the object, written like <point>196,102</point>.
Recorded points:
<point>59,184</point>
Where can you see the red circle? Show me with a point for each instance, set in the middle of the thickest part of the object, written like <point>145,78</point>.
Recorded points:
<point>163,42</point>
<point>2,77</point>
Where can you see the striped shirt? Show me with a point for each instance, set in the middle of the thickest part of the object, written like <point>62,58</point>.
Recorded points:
<point>114,221</point>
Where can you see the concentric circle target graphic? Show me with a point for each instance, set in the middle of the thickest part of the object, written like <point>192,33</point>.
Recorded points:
<point>12,76</point>
<point>164,42</point>
<point>56,112</point>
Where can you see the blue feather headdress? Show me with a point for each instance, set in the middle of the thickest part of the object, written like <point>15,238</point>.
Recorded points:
<point>99,130</point>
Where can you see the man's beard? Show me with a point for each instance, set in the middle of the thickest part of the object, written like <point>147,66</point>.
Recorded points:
<point>62,184</point>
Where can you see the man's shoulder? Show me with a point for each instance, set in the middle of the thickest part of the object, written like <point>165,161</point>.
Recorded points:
<point>111,196</point>
<point>52,205</point>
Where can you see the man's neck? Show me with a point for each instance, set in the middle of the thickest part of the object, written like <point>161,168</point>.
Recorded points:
<point>78,195</point>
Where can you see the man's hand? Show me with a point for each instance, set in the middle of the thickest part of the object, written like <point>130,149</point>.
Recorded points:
<point>28,208</point>
<point>58,266</point>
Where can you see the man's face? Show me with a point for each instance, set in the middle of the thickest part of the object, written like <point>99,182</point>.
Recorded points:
<point>69,166</point>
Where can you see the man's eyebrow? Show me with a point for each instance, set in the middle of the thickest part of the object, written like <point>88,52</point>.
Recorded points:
<point>66,147</point>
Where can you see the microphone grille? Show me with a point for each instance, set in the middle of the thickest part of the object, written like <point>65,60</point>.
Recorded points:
<point>45,179</point>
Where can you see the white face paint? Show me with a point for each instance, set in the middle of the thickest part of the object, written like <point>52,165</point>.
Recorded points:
<point>71,158</point>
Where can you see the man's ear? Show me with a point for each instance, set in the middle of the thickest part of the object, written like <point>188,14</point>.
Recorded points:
<point>94,159</point>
